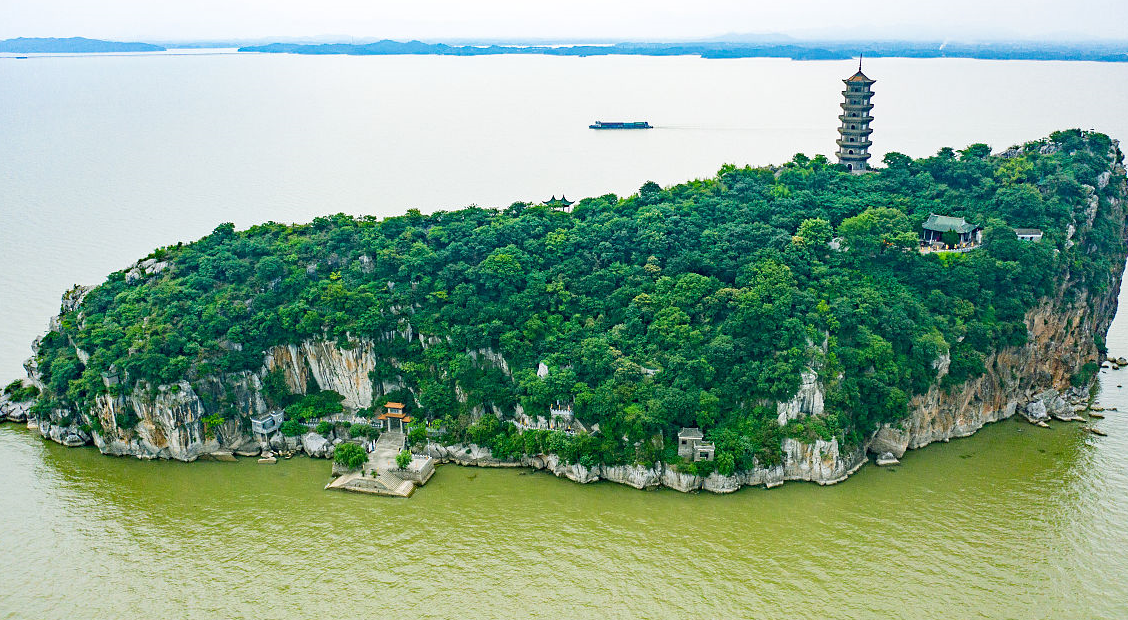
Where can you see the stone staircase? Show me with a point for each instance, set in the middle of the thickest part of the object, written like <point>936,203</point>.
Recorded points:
<point>395,484</point>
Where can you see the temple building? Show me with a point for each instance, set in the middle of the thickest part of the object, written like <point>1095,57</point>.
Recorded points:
<point>964,233</point>
<point>853,135</point>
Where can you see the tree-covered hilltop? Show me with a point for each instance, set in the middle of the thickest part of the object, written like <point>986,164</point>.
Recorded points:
<point>699,304</point>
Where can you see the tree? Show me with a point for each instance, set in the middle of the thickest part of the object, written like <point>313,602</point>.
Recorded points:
<point>877,229</point>
<point>350,455</point>
<point>403,459</point>
<point>292,428</point>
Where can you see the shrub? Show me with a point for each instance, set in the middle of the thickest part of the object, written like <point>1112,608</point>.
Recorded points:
<point>360,429</point>
<point>211,422</point>
<point>292,428</point>
<point>324,428</point>
<point>18,393</point>
<point>316,405</point>
<point>403,459</point>
<point>350,455</point>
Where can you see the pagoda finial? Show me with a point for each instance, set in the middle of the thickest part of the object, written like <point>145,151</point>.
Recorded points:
<point>860,54</point>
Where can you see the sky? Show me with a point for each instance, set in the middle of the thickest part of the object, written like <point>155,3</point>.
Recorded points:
<point>172,20</point>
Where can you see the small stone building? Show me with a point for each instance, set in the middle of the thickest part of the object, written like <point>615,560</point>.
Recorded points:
<point>1028,234</point>
<point>266,423</point>
<point>692,445</point>
<point>393,419</point>
<point>936,225</point>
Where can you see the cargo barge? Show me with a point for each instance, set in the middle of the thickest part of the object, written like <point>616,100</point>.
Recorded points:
<point>620,125</point>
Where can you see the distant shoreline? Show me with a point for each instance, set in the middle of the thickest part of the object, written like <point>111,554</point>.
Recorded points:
<point>816,50</point>
<point>1102,51</point>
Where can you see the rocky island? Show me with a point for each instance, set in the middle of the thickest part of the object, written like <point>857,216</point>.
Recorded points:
<point>764,325</point>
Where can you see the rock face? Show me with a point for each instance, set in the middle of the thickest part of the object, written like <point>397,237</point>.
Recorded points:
<point>343,370</point>
<point>13,411</point>
<point>808,401</point>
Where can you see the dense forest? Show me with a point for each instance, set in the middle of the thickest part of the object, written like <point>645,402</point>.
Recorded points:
<point>698,304</point>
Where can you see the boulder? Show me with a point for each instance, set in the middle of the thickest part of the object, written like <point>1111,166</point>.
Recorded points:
<point>316,446</point>
<point>1055,405</point>
<point>1036,411</point>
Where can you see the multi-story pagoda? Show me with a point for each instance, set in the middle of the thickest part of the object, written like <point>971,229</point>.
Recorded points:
<point>853,135</point>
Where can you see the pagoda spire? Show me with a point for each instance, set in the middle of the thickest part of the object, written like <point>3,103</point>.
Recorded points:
<point>854,132</point>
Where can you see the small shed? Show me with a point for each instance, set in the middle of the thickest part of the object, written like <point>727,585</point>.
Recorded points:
<point>1028,234</point>
<point>936,225</point>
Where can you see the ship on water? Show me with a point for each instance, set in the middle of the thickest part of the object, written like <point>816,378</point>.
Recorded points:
<point>621,125</point>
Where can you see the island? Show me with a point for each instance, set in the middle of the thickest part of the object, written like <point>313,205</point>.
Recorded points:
<point>763,325</point>
<point>72,45</point>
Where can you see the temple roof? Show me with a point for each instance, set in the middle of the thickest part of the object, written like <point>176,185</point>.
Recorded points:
<point>944,223</point>
<point>690,432</point>
<point>385,416</point>
<point>859,77</point>
<point>394,405</point>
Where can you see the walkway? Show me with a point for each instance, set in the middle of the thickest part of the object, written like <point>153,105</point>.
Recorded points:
<point>379,475</point>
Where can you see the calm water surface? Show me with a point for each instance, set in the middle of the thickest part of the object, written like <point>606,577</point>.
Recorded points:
<point>103,159</point>
<point>106,158</point>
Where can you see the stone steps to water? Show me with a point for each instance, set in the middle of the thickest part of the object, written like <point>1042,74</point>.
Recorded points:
<point>395,484</point>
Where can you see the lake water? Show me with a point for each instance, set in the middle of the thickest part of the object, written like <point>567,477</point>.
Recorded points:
<point>105,158</point>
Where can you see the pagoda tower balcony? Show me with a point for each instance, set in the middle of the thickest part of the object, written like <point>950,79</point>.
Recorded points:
<point>861,131</point>
<point>846,118</point>
<point>857,95</point>
<point>857,107</point>
<point>854,145</point>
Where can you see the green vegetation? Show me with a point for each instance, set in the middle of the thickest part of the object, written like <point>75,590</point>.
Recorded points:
<point>316,405</point>
<point>293,428</point>
<point>324,427</point>
<point>350,455</point>
<point>366,431</point>
<point>17,392</point>
<point>694,305</point>
<point>403,459</point>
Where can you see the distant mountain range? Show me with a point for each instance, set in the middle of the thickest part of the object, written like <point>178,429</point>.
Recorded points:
<point>77,45</point>
<point>796,50</point>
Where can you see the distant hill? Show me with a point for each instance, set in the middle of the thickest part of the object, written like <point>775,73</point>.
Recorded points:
<point>27,45</point>
<point>704,49</point>
<point>748,47</point>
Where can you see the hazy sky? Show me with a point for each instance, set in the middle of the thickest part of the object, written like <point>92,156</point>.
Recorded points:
<point>561,19</point>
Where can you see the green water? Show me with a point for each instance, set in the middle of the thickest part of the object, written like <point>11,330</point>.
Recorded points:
<point>1016,522</point>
